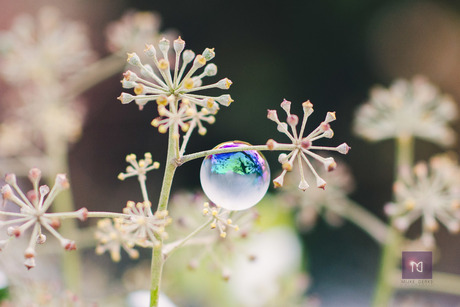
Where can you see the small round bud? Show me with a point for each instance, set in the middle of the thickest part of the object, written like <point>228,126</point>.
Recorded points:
<point>292,120</point>
<point>283,158</point>
<point>210,70</point>
<point>187,56</point>
<point>271,144</point>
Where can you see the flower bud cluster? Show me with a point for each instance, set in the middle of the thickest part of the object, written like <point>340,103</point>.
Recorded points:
<point>303,145</point>
<point>431,192</point>
<point>173,87</point>
<point>140,226</point>
<point>33,213</point>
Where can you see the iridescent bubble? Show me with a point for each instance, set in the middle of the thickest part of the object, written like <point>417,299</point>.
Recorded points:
<point>236,180</point>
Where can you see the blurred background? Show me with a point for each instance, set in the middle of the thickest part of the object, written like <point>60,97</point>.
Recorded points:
<point>330,52</point>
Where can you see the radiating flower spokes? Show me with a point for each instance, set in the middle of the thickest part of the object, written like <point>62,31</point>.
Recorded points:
<point>140,226</point>
<point>33,212</point>
<point>407,108</point>
<point>303,145</point>
<point>173,88</point>
<point>431,192</point>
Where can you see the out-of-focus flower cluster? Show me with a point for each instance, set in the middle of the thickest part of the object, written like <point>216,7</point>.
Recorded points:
<point>140,226</point>
<point>173,87</point>
<point>33,207</point>
<point>39,56</point>
<point>312,203</point>
<point>432,193</point>
<point>133,30</point>
<point>407,108</point>
<point>303,145</point>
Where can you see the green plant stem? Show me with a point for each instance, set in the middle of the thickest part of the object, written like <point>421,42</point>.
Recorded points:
<point>173,246</point>
<point>392,248</point>
<point>202,154</point>
<point>95,73</point>
<point>362,218</point>
<point>157,254</point>
<point>70,261</point>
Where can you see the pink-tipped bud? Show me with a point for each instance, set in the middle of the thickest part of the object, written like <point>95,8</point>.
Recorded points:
<point>29,263</point>
<point>55,223</point>
<point>10,179</point>
<point>13,231</point>
<point>29,252</point>
<point>330,164</point>
<point>272,115</point>
<point>292,120</point>
<point>32,196</point>
<point>82,214</point>
<point>324,126</point>
<point>6,191</point>
<point>305,143</point>
<point>61,182</point>
<point>286,105</point>
<point>320,183</point>
<point>68,245</point>
<point>271,144</point>
<point>35,175</point>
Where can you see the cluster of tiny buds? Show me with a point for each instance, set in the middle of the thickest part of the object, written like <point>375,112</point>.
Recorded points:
<point>173,88</point>
<point>220,219</point>
<point>303,145</point>
<point>139,168</point>
<point>33,213</point>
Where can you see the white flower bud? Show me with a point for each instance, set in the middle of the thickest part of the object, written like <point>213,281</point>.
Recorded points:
<point>210,70</point>
<point>179,45</point>
<point>209,54</point>
<point>188,56</point>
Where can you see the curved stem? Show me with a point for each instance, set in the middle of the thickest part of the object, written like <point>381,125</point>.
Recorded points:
<point>362,218</point>
<point>202,154</point>
<point>95,73</point>
<point>391,252</point>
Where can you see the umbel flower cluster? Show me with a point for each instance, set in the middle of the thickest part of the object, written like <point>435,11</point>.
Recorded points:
<point>33,207</point>
<point>171,85</point>
<point>407,108</point>
<point>140,227</point>
<point>431,192</point>
<point>303,145</point>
